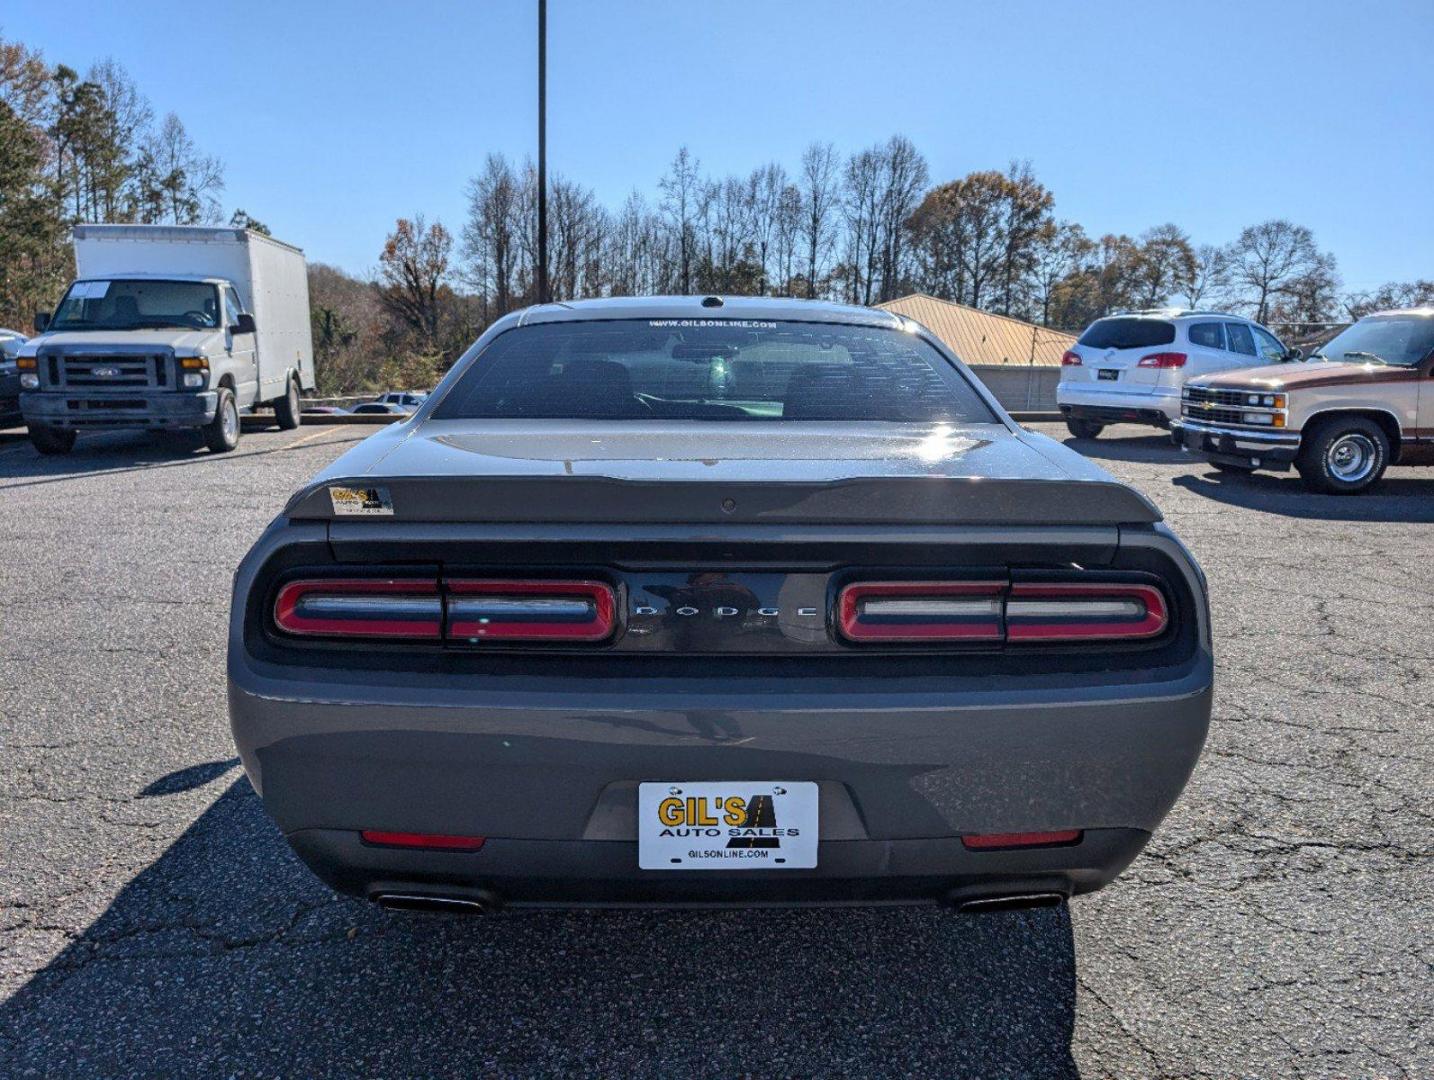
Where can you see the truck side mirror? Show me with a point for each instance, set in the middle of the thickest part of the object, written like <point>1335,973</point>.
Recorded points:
<point>42,321</point>
<point>243,324</point>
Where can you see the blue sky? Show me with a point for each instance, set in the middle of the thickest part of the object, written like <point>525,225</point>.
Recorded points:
<point>334,119</point>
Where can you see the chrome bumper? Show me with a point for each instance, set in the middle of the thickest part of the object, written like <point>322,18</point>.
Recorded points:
<point>1263,439</point>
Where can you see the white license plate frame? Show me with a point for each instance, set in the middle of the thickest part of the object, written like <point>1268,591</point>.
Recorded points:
<point>728,825</point>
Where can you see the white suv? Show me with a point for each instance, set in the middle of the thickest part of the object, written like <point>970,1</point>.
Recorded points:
<point>1130,368</point>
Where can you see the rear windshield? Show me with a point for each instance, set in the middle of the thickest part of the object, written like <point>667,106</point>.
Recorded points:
<point>712,369</point>
<point>1128,333</point>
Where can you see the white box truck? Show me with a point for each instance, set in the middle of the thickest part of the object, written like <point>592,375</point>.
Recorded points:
<point>168,327</point>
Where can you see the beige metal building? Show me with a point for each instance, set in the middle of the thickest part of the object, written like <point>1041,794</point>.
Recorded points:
<point>980,338</point>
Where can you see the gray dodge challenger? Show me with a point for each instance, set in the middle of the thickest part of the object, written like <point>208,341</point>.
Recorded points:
<point>716,601</point>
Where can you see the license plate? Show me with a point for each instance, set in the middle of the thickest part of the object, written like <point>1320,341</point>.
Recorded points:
<point>737,825</point>
<point>1107,373</point>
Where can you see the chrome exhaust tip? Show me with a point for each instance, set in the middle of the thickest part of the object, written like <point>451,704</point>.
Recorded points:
<point>481,904</point>
<point>980,905</point>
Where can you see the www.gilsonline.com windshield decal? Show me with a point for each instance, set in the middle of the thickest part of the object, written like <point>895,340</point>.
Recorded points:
<point>741,324</point>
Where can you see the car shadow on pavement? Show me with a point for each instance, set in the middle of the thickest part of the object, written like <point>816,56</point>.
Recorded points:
<point>1392,499</point>
<point>1151,449</point>
<point>226,957</point>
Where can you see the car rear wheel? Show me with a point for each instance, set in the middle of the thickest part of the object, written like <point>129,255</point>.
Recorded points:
<point>222,433</point>
<point>1084,429</point>
<point>286,408</point>
<point>51,440</point>
<point>1344,456</point>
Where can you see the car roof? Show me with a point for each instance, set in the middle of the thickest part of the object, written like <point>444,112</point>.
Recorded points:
<point>702,307</point>
<point>1421,312</point>
<point>1175,313</point>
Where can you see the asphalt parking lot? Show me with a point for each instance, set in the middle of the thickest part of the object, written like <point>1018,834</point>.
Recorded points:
<point>152,920</point>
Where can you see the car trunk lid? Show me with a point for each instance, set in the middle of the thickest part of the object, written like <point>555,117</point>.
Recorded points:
<point>717,474</point>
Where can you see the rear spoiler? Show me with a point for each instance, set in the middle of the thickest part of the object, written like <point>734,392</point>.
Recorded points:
<point>604,500</point>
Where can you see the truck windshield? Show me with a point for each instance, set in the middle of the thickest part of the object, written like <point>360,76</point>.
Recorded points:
<point>1403,340</point>
<point>712,369</point>
<point>138,304</point>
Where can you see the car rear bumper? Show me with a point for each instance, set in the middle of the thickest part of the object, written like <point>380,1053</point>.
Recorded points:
<point>551,780</point>
<point>1239,446</point>
<point>161,409</point>
<point>579,873</point>
<point>1157,405</point>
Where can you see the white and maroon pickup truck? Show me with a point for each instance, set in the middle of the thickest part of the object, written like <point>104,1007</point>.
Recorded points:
<point>1363,402</point>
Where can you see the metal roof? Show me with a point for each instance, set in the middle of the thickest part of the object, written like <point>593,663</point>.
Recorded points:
<point>979,337</point>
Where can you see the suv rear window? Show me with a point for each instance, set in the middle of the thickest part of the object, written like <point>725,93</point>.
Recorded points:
<point>1128,333</point>
<point>712,369</point>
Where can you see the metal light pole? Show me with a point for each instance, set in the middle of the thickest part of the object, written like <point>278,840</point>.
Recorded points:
<point>542,151</point>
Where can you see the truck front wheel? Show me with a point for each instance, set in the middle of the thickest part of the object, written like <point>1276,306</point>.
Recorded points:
<point>52,440</point>
<point>286,408</point>
<point>222,433</point>
<point>1343,456</point>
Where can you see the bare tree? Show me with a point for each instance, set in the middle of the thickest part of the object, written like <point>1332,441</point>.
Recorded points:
<point>904,175</point>
<point>1211,275</point>
<point>820,201</point>
<point>181,186</point>
<point>1055,257</point>
<point>861,210</point>
<point>681,198</point>
<point>1266,259</point>
<point>490,235</point>
<point>1390,295</point>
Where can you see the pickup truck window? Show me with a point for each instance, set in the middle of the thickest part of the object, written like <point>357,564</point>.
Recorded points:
<point>1403,340</point>
<point>712,369</point>
<point>138,304</point>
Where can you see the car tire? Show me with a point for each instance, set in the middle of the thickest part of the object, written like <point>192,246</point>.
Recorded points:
<point>222,433</point>
<point>286,408</point>
<point>1084,429</point>
<point>52,440</point>
<point>1343,456</point>
<point>1231,467</point>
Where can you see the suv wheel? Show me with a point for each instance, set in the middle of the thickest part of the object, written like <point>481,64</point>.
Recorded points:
<point>1084,429</point>
<point>1344,456</point>
<point>222,433</point>
<point>52,440</point>
<point>286,408</point>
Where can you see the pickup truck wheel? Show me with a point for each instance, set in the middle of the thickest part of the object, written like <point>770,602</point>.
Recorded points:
<point>1084,429</point>
<point>286,408</point>
<point>1343,456</point>
<point>51,440</point>
<point>222,433</point>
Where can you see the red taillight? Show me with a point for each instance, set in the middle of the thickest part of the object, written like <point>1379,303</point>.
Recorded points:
<point>495,610</point>
<point>426,841</point>
<point>921,611</point>
<point>1070,359</point>
<point>1070,611</point>
<point>995,611</point>
<point>361,608</point>
<point>1163,360</point>
<point>994,841</point>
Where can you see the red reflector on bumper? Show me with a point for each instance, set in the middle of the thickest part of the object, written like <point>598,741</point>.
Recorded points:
<point>427,841</point>
<point>992,841</point>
